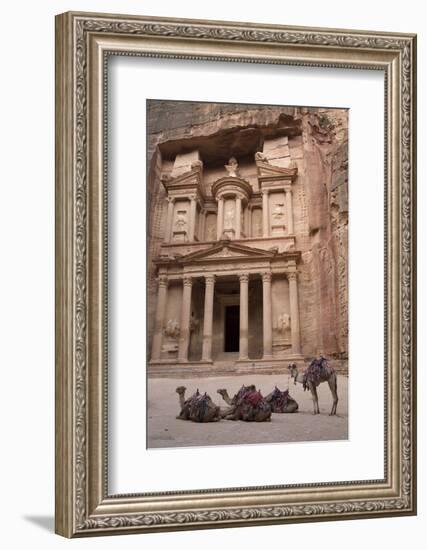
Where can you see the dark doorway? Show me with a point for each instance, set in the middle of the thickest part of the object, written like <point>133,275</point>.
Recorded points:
<point>232,328</point>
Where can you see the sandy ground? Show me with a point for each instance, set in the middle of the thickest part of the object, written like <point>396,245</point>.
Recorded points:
<point>164,430</point>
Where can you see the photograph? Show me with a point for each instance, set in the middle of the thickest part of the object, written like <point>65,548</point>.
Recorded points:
<point>247,273</point>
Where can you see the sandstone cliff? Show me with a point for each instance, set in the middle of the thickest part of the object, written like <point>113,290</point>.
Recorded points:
<point>317,143</point>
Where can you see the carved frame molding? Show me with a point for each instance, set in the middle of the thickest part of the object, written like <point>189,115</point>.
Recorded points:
<point>83,43</point>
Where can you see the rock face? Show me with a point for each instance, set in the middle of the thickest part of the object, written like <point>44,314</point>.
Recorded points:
<point>298,158</point>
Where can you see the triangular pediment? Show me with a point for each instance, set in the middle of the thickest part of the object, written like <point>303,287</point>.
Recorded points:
<point>189,179</point>
<point>226,250</point>
<point>266,169</point>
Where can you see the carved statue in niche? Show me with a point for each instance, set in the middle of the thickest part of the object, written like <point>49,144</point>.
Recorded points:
<point>277,213</point>
<point>256,223</point>
<point>229,217</point>
<point>211,232</point>
<point>180,231</point>
<point>194,323</point>
<point>277,221</point>
<point>232,168</point>
<point>210,228</point>
<point>181,220</point>
<point>283,322</point>
<point>172,329</point>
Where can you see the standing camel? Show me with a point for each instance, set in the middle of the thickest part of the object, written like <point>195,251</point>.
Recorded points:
<point>318,371</point>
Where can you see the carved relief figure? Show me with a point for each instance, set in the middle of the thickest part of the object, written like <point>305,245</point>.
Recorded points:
<point>194,323</point>
<point>277,213</point>
<point>172,328</point>
<point>181,220</point>
<point>283,322</point>
<point>256,222</point>
<point>211,227</point>
<point>229,217</point>
<point>232,168</point>
<point>211,233</point>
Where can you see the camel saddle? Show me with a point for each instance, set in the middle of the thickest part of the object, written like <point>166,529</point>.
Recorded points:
<point>315,372</point>
<point>281,398</point>
<point>253,397</point>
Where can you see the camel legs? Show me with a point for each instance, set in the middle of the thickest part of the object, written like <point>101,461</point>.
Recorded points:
<point>226,412</point>
<point>315,399</point>
<point>292,407</point>
<point>332,382</point>
<point>183,415</point>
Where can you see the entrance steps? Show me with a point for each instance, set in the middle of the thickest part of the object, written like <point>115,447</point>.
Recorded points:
<point>232,367</point>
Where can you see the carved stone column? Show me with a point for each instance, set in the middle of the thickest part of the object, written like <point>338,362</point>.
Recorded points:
<point>267,316</point>
<point>192,218</point>
<point>184,334</point>
<point>294,307</point>
<point>247,222</point>
<point>160,318</point>
<point>220,218</point>
<point>168,230</point>
<point>289,209</point>
<point>265,215</point>
<point>202,225</point>
<point>238,217</point>
<point>244,315</point>
<point>208,318</point>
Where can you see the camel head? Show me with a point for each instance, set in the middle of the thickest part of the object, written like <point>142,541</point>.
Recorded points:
<point>180,390</point>
<point>293,370</point>
<point>222,392</point>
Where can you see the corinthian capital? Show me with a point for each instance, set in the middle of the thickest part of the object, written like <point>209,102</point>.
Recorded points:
<point>266,277</point>
<point>163,281</point>
<point>187,281</point>
<point>210,279</point>
<point>244,277</point>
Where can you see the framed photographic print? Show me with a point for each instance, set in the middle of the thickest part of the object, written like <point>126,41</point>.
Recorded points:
<point>235,274</point>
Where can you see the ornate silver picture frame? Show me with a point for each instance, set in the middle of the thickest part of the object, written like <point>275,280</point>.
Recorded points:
<point>84,505</point>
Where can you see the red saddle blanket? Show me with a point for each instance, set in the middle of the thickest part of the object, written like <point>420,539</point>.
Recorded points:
<point>254,397</point>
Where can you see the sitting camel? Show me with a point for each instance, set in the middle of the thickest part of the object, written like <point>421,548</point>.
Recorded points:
<point>317,372</point>
<point>198,408</point>
<point>281,401</point>
<point>248,404</point>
